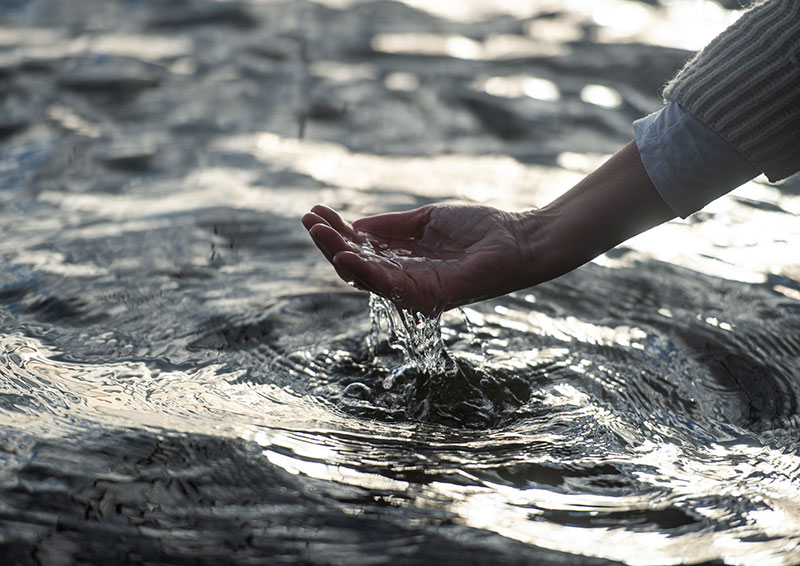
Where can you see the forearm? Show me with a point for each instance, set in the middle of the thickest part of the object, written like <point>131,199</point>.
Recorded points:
<point>612,204</point>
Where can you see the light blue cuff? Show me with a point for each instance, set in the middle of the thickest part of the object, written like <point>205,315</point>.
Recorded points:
<point>688,163</point>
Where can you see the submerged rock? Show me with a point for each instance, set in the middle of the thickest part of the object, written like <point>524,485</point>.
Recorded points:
<point>111,73</point>
<point>12,123</point>
<point>216,13</point>
<point>498,119</point>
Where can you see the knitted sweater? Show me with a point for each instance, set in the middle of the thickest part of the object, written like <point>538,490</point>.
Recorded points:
<point>745,85</point>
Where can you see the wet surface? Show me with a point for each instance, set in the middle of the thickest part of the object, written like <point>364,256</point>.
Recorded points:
<point>184,380</point>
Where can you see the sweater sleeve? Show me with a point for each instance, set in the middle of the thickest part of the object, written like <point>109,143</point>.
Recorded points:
<point>745,86</point>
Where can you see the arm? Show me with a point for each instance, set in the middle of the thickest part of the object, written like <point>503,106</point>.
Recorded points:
<point>612,204</point>
<point>442,256</point>
<point>743,86</point>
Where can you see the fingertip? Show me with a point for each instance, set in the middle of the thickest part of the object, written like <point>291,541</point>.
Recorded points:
<point>316,228</point>
<point>328,240</point>
<point>346,260</point>
<point>352,263</point>
<point>340,262</point>
<point>333,218</point>
<point>351,257</point>
<point>323,229</point>
<point>311,219</point>
<point>325,212</point>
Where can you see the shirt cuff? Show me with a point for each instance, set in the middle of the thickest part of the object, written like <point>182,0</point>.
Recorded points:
<point>688,163</point>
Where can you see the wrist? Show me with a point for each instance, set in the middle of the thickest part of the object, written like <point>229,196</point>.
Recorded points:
<point>608,206</point>
<point>533,231</point>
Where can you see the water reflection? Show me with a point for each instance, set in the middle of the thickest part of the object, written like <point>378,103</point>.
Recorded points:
<point>601,96</point>
<point>497,46</point>
<point>516,86</point>
<point>687,24</point>
<point>401,81</point>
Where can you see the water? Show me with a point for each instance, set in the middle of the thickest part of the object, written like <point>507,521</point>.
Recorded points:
<point>184,379</point>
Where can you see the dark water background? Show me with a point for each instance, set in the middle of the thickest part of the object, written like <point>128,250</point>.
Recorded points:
<point>183,379</point>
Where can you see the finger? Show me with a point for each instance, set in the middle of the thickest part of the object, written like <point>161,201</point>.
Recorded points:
<point>310,220</point>
<point>407,225</point>
<point>388,281</point>
<point>334,220</point>
<point>328,240</point>
<point>375,276</point>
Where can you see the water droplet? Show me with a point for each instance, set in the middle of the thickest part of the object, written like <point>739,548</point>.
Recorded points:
<point>358,390</point>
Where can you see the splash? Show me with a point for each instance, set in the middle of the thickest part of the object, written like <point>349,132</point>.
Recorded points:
<point>431,383</point>
<point>416,336</point>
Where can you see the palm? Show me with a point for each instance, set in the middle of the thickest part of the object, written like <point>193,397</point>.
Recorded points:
<point>429,259</point>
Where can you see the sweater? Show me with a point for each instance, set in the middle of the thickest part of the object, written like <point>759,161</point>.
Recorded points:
<point>745,86</point>
<point>688,163</point>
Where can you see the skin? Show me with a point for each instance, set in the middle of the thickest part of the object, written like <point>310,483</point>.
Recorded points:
<point>442,256</point>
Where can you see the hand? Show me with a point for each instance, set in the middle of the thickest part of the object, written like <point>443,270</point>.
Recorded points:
<point>442,256</point>
<point>429,259</point>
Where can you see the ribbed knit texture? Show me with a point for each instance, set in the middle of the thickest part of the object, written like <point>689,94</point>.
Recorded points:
<point>745,85</point>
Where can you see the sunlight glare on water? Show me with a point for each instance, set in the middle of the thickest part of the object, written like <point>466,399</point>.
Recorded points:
<point>521,85</point>
<point>688,24</point>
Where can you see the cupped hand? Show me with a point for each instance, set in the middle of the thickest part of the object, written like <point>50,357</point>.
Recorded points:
<point>429,259</point>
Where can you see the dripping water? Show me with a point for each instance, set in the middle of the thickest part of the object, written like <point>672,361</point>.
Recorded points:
<point>426,381</point>
<point>417,337</point>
